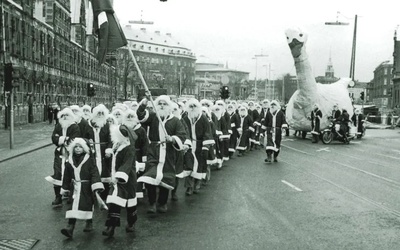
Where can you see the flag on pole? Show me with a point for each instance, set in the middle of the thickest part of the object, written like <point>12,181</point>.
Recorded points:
<point>111,36</point>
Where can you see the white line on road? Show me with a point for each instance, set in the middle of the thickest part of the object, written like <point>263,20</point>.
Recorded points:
<point>324,149</point>
<point>291,185</point>
<point>397,151</point>
<point>389,156</point>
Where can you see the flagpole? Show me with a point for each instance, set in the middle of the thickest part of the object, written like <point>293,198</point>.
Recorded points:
<point>146,89</point>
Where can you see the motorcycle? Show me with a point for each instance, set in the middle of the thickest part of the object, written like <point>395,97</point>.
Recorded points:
<point>334,133</point>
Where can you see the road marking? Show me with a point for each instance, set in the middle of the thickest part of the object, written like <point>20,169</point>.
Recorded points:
<point>291,185</point>
<point>389,156</point>
<point>295,149</point>
<point>397,151</point>
<point>288,140</point>
<point>324,149</point>
<point>356,142</point>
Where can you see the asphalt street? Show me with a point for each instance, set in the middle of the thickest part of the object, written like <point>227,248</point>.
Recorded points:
<point>317,196</point>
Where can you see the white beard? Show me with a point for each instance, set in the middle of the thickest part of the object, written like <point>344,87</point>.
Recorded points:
<point>273,110</point>
<point>242,113</point>
<point>66,123</point>
<point>218,114</point>
<point>99,121</point>
<point>163,113</point>
<point>130,123</point>
<point>86,116</point>
<point>230,112</point>
<point>177,114</point>
<point>194,113</point>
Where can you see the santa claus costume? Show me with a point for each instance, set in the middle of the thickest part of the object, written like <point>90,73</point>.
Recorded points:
<point>234,120</point>
<point>273,125</point>
<point>163,151</point>
<point>244,130</point>
<point>64,131</point>
<point>201,140</point>
<point>122,192</point>
<point>81,172</point>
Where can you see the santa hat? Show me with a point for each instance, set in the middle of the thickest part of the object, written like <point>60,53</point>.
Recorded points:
<point>121,134</point>
<point>86,107</point>
<point>100,108</point>
<point>164,98</point>
<point>120,106</point>
<point>67,111</point>
<point>192,101</point>
<point>220,103</point>
<point>207,102</point>
<point>134,105</point>
<point>78,141</point>
<point>77,110</point>
<point>132,116</point>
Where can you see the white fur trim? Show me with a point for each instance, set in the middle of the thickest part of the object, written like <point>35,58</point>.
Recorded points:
<point>97,185</point>
<point>123,176</point>
<point>61,140</point>
<point>82,215</point>
<point>109,151</point>
<point>208,142</point>
<point>53,181</point>
<point>178,142</point>
<point>140,166</point>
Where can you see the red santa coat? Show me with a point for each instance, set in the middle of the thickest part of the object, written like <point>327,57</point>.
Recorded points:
<point>184,161</point>
<point>123,192</point>
<point>85,179</point>
<point>60,137</point>
<point>162,156</point>
<point>235,124</point>
<point>201,139</point>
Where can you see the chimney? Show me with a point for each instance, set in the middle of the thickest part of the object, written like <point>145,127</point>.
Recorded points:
<point>157,32</point>
<point>169,34</point>
<point>143,29</point>
<point>128,26</point>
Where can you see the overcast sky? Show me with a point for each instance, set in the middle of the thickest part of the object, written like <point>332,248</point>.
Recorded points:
<point>234,31</point>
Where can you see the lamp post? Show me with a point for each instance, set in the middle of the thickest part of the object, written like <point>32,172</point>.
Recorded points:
<point>255,76</point>
<point>353,50</point>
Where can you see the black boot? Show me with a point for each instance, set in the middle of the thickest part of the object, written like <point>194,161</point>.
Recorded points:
<point>88,226</point>
<point>69,230</point>
<point>109,232</point>
<point>130,228</point>
<point>57,202</point>
<point>174,197</point>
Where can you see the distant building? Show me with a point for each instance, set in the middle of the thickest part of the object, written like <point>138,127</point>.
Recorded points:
<point>396,75</point>
<point>329,75</point>
<point>211,76</point>
<point>381,87</point>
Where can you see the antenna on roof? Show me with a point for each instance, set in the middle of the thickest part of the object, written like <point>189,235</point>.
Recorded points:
<point>141,21</point>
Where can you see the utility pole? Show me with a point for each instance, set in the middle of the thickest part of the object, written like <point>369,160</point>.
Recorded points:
<point>255,77</point>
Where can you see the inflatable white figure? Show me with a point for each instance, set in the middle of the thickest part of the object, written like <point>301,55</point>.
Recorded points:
<point>309,91</point>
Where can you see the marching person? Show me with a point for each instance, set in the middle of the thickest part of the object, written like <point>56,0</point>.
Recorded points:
<point>87,112</point>
<point>254,115</point>
<point>221,143</point>
<point>131,120</point>
<point>163,149</point>
<point>316,116</point>
<point>234,120</point>
<point>64,131</point>
<point>118,111</point>
<point>244,130</point>
<point>122,192</point>
<point>201,139</point>
<point>273,124</point>
<point>81,172</point>
<point>226,137</point>
<point>98,133</point>
<point>82,123</point>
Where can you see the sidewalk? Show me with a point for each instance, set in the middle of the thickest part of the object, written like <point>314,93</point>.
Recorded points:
<point>27,138</point>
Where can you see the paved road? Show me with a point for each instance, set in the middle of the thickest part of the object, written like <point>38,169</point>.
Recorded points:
<point>317,197</point>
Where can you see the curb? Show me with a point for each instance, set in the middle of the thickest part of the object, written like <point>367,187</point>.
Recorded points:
<point>26,152</point>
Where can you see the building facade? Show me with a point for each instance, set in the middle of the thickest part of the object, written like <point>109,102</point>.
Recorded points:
<point>396,75</point>
<point>211,76</point>
<point>163,61</point>
<point>379,90</point>
<point>51,48</point>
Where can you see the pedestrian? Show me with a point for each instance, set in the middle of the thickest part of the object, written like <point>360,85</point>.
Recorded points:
<point>222,142</point>
<point>64,131</point>
<point>98,134</point>
<point>227,118</point>
<point>254,115</point>
<point>200,139</point>
<point>50,113</point>
<point>56,109</point>
<point>163,149</point>
<point>81,172</point>
<point>122,192</point>
<point>273,124</point>
<point>358,121</point>
<point>316,116</point>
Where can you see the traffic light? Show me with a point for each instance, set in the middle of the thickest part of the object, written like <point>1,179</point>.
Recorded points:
<point>362,95</point>
<point>90,90</point>
<point>8,76</point>
<point>224,92</point>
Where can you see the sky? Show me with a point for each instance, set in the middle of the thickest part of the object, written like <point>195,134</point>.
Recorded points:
<point>234,31</point>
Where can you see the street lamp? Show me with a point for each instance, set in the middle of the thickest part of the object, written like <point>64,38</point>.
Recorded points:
<point>255,76</point>
<point>353,50</point>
